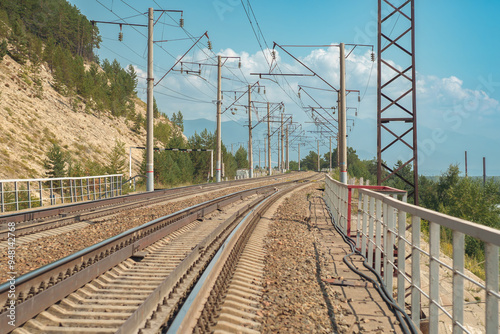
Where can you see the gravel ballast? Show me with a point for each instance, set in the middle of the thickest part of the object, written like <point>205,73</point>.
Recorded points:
<point>304,250</point>
<point>46,250</point>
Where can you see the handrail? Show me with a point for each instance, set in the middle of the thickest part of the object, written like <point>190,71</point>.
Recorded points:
<point>59,178</point>
<point>17,194</point>
<point>392,245</point>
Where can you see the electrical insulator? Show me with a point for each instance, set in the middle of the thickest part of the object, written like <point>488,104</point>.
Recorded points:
<point>239,64</point>
<point>373,56</point>
<point>264,91</point>
<point>209,45</point>
<point>181,22</point>
<point>359,98</point>
<point>258,90</point>
<point>273,54</point>
<point>120,36</point>
<point>356,113</point>
<point>299,95</point>
<point>182,69</point>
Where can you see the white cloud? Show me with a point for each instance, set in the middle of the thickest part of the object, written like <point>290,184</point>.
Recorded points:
<point>435,95</point>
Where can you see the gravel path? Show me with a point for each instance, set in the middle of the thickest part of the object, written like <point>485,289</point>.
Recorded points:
<point>46,250</point>
<point>303,251</point>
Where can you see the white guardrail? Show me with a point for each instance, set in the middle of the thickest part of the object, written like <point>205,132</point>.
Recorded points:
<point>385,224</point>
<point>28,193</point>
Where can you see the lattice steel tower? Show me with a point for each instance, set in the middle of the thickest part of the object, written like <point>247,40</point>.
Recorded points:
<point>396,90</point>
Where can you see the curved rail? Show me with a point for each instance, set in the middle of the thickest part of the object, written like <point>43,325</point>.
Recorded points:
<point>43,287</point>
<point>34,221</point>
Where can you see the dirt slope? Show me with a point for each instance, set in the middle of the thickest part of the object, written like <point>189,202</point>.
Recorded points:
<point>31,119</point>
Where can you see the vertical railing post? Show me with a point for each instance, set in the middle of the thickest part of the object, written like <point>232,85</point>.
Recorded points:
<point>349,211</point>
<point>81,190</point>
<point>378,237</point>
<point>358,221</point>
<point>415,271</point>
<point>346,209</point>
<point>121,184</point>
<point>365,222</point>
<point>389,249</point>
<point>28,189</point>
<point>2,198</point>
<point>434,241</point>
<point>40,188</point>
<point>72,190</point>
<point>16,195</point>
<point>343,210</point>
<point>106,187</point>
<point>93,187</point>
<point>491,268</point>
<point>458,281</point>
<point>111,186</point>
<point>52,197</point>
<point>88,188</point>
<point>370,231</point>
<point>62,192</point>
<point>401,257</point>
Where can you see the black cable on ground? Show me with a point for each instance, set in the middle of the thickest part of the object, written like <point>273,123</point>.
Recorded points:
<point>398,311</point>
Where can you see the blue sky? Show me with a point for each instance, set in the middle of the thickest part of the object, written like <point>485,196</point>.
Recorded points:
<point>456,49</point>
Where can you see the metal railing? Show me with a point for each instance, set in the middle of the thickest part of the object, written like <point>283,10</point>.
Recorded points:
<point>30,193</point>
<point>389,235</point>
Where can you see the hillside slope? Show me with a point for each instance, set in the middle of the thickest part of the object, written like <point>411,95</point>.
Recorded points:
<point>34,116</point>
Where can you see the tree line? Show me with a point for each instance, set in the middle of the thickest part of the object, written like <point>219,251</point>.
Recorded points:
<point>55,33</point>
<point>173,168</point>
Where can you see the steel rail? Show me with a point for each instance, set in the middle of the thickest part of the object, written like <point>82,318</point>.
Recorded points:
<point>93,209</point>
<point>42,213</point>
<point>45,286</point>
<point>203,303</point>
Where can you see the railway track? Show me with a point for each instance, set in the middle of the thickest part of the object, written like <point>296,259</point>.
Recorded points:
<point>138,279</point>
<point>52,221</point>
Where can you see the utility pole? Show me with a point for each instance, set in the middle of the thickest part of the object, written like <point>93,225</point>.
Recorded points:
<point>269,140</point>
<point>211,164</point>
<point>484,171</point>
<point>219,102</point>
<point>265,154</point>
<point>342,149</point>
<point>150,185</point>
<point>299,156</point>
<point>330,153</point>
<point>319,167</point>
<point>465,163</point>
<point>282,160</point>
<point>250,153</point>
<point>287,150</point>
<point>260,166</point>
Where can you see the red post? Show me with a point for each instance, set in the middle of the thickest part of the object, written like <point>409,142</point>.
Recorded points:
<point>349,212</point>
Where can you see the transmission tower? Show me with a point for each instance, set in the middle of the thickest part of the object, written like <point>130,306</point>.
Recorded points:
<point>396,97</point>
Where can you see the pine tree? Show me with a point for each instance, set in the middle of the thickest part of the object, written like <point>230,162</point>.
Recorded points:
<point>55,163</point>
<point>3,49</point>
<point>117,159</point>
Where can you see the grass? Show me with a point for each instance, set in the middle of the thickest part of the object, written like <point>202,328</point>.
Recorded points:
<point>446,247</point>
